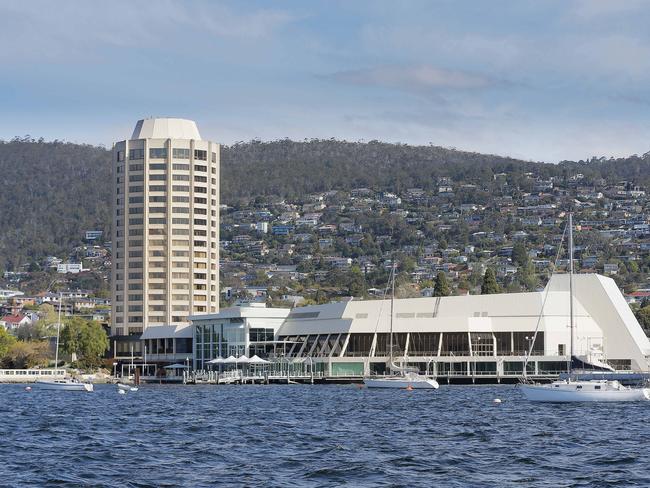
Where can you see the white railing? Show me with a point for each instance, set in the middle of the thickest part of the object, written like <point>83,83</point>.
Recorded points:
<point>29,375</point>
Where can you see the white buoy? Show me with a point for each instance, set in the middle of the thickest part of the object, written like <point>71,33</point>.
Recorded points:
<point>496,400</point>
<point>28,388</point>
<point>121,392</point>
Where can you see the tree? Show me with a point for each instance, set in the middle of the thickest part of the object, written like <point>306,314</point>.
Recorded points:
<point>85,338</point>
<point>643,316</point>
<point>22,355</point>
<point>490,285</point>
<point>441,288</point>
<point>6,341</point>
<point>520,255</point>
<point>356,282</point>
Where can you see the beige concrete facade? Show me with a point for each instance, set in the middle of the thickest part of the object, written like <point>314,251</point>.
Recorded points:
<point>165,227</point>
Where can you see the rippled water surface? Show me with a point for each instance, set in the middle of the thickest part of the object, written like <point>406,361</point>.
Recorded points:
<point>330,435</point>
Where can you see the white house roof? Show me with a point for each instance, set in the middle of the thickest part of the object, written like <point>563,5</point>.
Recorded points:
<point>166,128</point>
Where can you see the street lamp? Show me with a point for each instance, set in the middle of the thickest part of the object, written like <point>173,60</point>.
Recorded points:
<point>115,370</point>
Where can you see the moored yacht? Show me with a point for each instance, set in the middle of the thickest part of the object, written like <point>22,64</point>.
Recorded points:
<point>572,389</point>
<point>584,391</point>
<point>403,381</point>
<point>405,377</point>
<point>64,384</point>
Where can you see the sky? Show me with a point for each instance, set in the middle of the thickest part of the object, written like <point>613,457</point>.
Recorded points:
<point>539,80</point>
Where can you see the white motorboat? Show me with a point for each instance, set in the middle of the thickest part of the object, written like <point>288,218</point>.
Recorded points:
<point>404,381</point>
<point>405,378</point>
<point>64,384</point>
<point>584,391</point>
<point>572,389</point>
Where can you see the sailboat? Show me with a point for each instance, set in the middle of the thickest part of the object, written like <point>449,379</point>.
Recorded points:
<point>572,389</point>
<point>67,384</point>
<point>407,378</point>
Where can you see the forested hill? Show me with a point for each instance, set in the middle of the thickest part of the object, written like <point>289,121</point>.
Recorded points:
<point>291,169</point>
<point>53,191</point>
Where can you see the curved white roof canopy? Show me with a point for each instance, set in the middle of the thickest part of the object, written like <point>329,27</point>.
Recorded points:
<point>166,128</point>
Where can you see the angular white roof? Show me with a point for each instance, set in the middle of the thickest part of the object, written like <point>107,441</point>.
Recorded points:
<point>166,128</point>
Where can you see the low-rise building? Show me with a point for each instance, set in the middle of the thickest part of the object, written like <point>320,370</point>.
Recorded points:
<point>470,337</point>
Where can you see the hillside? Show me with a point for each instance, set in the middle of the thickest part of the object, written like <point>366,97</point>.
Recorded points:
<point>54,191</point>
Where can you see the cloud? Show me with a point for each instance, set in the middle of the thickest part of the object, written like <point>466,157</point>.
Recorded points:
<point>589,10</point>
<point>415,78</point>
<point>68,29</point>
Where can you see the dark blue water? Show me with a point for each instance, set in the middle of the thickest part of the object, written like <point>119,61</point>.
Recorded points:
<point>316,436</point>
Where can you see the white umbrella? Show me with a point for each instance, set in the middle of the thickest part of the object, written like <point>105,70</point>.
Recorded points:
<point>257,360</point>
<point>242,359</point>
<point>216,361</point>
<point>176,366</point>
<point>230,360</point>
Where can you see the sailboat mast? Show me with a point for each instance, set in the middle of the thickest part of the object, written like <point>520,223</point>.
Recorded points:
<point>392,300</point>
<point>570,362</point>
<point>58,332</point>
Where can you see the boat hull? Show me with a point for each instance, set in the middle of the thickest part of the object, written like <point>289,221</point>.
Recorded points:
<point>547,393</point>
<point>401,383</point>
<point>63,386</point>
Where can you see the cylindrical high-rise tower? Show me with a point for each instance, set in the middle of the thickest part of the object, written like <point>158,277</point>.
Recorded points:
<point>165,232</point>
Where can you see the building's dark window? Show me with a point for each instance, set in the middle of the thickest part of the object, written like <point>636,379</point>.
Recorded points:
<point>120,156</point>
<point>214,157</point>
<point>178,153</point>
<point>157,152</point>
<point>482,344</point>
<point>359,345</point>
<point>136,154</point>
<point>454,344</point>
<point>261,335</point>
<point>523,340</point>
<point>504,346</point>
<point>424,343</point>
<point>157,177</point>
<point>200,155</point>
<point>383,344</point>
<point>157,166</point>
<point>157,188</point>
<point>198,167</point>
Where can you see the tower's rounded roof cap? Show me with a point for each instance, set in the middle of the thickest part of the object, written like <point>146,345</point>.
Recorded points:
<point>166,128</point>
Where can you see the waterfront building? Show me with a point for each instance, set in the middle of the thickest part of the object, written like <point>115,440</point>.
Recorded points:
<point>165,237</point>
<point>473,337</point>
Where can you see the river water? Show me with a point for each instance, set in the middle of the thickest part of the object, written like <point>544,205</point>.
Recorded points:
<point>312,436</point>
